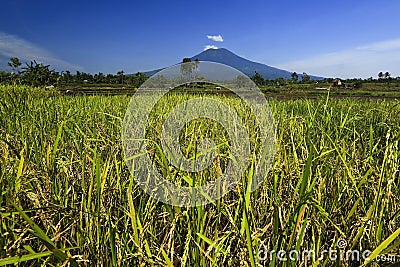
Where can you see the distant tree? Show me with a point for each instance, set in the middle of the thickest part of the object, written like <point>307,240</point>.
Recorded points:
<point>187,68</point>
<point>109,78</point>
<point>99,78</point>
<point>387,77</point>
<point>86,77</point>
<point>121,76</point>
<point>139,79</point>
<point>295,76</point>
<point>77,76</point>
<point>37,74</point>
<point>258,79</point>
<point>358,84</point>
<point>14,63</point>
<point>241,81</point>
<point>158,81</point>
<point>305,78</point>
<point>380,75</point>
<point>280,81</point>
<point>67,77</point>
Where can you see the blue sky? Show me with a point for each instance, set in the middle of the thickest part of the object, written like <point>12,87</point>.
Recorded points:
<point>325,38</point>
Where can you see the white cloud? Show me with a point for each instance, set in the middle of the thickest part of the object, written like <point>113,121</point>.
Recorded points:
<point>382,46</point>
<point>210,47</point>
<point>14,46</point>
<point>361,62</point>
<point>215,38</point>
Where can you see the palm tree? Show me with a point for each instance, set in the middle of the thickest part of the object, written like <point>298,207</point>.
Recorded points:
<point>14,63</point>
<point>387,77</point>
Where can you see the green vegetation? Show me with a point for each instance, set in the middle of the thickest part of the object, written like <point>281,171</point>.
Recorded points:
<point>67,196</point>
<point>315,91</point>
<point>299,86</point>
<point>37,74</point>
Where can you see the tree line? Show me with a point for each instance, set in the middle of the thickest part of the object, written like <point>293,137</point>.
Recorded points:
<point>38,74</point>
<point>304,78</point>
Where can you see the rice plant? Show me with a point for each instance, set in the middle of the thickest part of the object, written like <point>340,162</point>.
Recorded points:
<point>67,197</point>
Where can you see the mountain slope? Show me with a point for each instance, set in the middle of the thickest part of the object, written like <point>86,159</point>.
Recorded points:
<point>248,67</point>
<point>224,56</point>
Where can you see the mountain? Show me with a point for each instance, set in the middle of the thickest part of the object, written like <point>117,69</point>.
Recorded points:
<point>224,56</point>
